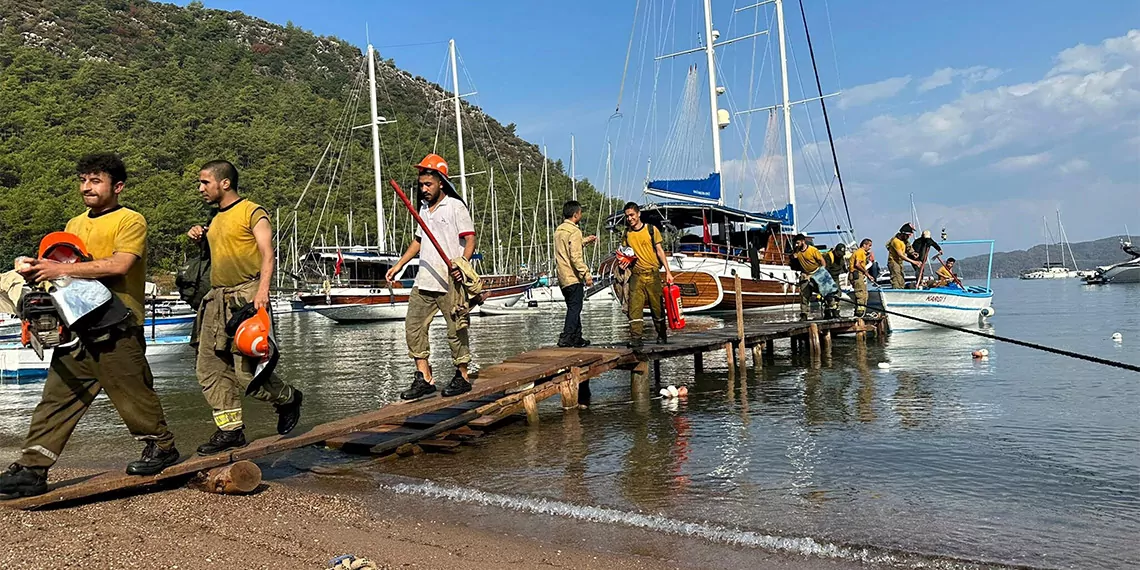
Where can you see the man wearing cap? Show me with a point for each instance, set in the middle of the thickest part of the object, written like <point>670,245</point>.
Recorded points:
<point>436,286</point>
<point>241,268</point>
<point>110,241</point>
<point>897,254</point>
<point>922,247</point>
<point>809,260</point>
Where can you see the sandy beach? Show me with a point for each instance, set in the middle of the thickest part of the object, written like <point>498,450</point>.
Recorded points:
<point>307,520</point>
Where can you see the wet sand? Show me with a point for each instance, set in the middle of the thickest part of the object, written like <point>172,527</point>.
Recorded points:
<point>304,521</point>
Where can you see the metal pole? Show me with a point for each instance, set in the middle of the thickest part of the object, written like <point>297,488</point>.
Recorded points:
<point>458,122</point>
<point>381,241</point>
<point>787,110</point>
<point>710,54</point>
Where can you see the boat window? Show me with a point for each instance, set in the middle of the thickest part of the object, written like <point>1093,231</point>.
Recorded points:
<point>410,272</point>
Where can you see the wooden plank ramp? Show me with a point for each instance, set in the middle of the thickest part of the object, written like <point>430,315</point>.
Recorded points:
<point>499,391</point>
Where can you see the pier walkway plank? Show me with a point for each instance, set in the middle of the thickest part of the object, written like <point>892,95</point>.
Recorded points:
<point>532,375</point>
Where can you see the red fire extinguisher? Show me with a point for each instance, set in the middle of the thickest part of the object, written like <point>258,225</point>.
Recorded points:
<point>673,313</point>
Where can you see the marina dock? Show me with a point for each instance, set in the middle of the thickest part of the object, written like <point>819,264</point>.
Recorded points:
<point>500,391</point>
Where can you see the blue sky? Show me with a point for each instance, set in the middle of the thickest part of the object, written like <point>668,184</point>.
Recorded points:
<point>992,114</point>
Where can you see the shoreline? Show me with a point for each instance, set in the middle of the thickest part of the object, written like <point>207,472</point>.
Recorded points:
<point>303,521</point>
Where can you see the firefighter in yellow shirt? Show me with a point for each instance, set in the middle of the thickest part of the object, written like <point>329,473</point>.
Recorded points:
<point>897,254</point>
<point>860,261</point>
<point>645,283</point>
<point>810,260</point>
<point>241,267</point>
<point>946,274</point>
<point>114,362</point>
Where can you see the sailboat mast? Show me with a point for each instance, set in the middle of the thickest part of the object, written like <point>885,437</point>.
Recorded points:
<point>496,246</point>
<point>521,213</point>
<point>710,57</point>
<point>573,178</point>
<point>787,107</point>
<point>1045,224</point>
<point>458,122</point>
<point>277,246</point>
<point>381,241</point>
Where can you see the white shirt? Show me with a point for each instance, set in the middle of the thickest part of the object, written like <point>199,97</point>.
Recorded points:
<point>450,223</point>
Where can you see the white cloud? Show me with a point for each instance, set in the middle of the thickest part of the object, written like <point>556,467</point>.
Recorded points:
<point>870,92</point>
<point>1090,87</point>
<point>1073,166</point>
<point>968,75</point>
<point>1014,163</point>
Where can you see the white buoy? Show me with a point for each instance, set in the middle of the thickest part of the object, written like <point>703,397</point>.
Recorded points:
<point>885,365</point>
<point>1117,337</point>
<point>665,393</point>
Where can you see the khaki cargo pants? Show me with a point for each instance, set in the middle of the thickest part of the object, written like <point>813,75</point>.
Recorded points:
<point>646,288</point>
<point>898,280</point>
<point>223,373</point>
<point>117,365</point>
<point>422,307</point>
<point>859,283</point>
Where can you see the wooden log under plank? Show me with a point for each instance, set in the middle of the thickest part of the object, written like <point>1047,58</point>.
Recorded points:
<point>233,479</point>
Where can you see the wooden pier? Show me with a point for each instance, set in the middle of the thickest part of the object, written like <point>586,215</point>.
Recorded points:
<point>500,391</point>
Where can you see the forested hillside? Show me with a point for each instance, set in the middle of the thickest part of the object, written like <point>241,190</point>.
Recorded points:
<point>1089,254</point>
<point>170,88</point>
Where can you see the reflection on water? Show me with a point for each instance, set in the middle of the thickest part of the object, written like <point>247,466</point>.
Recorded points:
<point>1023,458</point>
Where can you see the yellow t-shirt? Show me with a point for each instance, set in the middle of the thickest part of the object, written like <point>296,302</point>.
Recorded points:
<point>644,243</point>
<point>121,230</point>
<point>896,250</point>
<point>811,259</point>
<point>859,257</point>
<point>944,277</point>
<point>234,258</point>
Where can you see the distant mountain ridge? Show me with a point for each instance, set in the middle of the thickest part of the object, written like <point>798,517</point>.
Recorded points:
<point>1089,254</point>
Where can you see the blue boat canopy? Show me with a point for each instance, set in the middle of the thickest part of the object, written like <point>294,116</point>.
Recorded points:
<point>706,190</point>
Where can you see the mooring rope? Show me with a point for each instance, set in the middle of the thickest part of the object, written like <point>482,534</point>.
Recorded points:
<point>1010,340</point>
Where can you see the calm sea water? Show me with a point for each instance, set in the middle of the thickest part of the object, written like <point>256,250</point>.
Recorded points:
<point>1026,458</point>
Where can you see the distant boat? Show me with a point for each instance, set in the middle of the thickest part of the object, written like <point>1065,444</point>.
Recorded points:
<point>1055,269</point>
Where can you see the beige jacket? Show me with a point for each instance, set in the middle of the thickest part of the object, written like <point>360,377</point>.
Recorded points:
<point>572,266</point>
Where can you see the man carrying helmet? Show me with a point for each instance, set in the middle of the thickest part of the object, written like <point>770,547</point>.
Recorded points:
<point>809,260</point>
<point>109,245</point>
<point>241,268</point>
<point>645,280</point>
<point>436,286</point>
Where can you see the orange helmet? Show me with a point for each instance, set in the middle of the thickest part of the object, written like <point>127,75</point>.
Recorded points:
<point>252,336</point>
<point>63,247</point>
<point>434,162</point>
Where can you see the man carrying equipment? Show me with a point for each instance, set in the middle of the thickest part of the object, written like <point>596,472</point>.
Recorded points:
<point>241,257</point>
<point>437,287</point>
<point>897,254</point>
<point>810,260</point>
<point>860,273</point>
<point>645,282</point>
<point>114,238</point>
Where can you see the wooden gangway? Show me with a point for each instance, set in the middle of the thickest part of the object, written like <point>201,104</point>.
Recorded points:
<point>500,391</point>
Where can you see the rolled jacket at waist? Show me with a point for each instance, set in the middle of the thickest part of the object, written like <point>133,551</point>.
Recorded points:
<point>215,311</point>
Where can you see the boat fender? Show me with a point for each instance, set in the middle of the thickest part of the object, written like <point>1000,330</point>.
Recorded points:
<point>1117,337</point>
<point>988,312</point>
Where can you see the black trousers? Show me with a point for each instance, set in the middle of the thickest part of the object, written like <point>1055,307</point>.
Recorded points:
<point>574,295</point>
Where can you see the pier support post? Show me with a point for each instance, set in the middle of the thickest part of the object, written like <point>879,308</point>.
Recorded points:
<point>530,404</point>
<point>569,389</point>
<point>639,380</point>
<point>860,334</point>
<point>827,342</point>
<point>233,479</point>
<point>740,357</point>
<point>813,340</point>
<point>728,354</point>
<point>657,373</point>
<point>698,362</point>
<point>757,357</point>
<point>770,348</point>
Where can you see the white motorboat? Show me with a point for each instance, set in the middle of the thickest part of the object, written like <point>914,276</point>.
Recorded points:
<point>1123,272</point>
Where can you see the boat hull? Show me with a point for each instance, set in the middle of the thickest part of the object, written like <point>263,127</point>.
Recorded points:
<point>392,305</point>
<point>946,306</point>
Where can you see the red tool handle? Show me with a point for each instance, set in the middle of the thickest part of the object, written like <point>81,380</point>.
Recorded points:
<point>420,221</point>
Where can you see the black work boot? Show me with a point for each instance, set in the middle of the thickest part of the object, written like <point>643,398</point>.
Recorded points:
<point>635,343</point>
<point>153,460</point>
<point>419,388</point>
<point>564,342</point>
<point>288,414</point>
<point>581,343</point>
<point>803,316</point>
<point>23,481</point>
<point>223,440</point>
<point>457,386</point>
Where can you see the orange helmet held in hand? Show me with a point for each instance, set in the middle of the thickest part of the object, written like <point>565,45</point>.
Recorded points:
<point>434,162</point>
<point>63,247</point>
<point>252,336</point>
